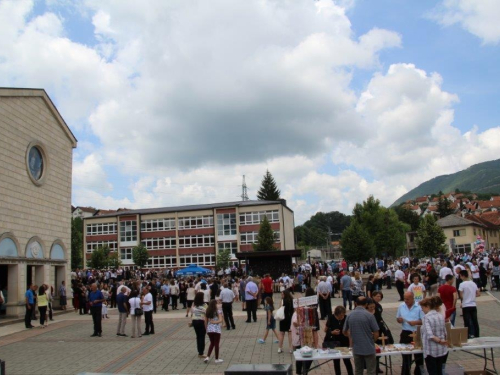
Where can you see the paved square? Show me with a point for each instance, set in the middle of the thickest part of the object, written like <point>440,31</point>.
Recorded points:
<point>65,347</point>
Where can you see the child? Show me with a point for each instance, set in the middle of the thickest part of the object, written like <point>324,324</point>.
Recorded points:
<point>105,310</point>
<point>297,344</point>
<point>213,320</point>
<point>271,322</point>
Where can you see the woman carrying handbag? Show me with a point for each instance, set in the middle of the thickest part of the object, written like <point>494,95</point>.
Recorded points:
<point>135,313</point>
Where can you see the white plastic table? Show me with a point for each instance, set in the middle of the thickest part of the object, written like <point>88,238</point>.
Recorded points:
<point>482,343</point>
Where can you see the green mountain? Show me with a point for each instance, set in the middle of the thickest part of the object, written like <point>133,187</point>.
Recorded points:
<point>479,178</point>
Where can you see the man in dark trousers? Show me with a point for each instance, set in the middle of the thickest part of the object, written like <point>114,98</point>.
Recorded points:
<point>96,299</point>
<point>227,297</point>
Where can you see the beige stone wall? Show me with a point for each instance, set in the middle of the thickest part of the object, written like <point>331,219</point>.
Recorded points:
<point>288,235</point>
<point>27,210</point>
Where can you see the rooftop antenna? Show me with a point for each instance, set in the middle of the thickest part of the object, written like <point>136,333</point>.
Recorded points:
<point>244,192</point>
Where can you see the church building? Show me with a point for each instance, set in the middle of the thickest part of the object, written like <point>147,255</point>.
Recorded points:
<point>36,147</point>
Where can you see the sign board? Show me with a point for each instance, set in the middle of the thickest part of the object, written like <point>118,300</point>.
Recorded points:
<point>305,301</point>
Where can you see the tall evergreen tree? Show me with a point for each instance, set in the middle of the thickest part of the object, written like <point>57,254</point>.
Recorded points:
<point>268,190</point>
<point>265,238</point>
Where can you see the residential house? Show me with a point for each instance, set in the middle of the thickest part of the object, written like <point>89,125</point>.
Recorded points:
<point>461,233</point>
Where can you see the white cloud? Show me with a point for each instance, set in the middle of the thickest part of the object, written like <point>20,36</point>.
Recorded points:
<point>414,140</point>
<point>186,97</point>
<point>479,17</point>
<point>90,174</point>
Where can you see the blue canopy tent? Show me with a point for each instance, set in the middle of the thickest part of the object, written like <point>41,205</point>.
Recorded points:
<point>193,270</point>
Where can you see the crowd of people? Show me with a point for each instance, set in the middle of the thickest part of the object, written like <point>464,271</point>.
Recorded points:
<point>429,290</point>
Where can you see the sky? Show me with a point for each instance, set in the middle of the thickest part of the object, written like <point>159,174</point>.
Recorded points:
<point>172,102</point>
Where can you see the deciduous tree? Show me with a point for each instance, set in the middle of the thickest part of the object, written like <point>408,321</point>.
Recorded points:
<point>76,242</point>
<point>356,243</point>
<point>431,240</point>
<point>140,255</point>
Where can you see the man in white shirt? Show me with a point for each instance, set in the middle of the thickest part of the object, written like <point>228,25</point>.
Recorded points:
<point>468,292</point>
<point>388,277</point>
<point>445,270</point>
<point>400,283</point>
<point>147,307</point>
<point>227,297</point>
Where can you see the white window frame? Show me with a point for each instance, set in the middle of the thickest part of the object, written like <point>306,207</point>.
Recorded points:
<point>193,222</point>
<point>162,261</point>
<point>159,243</point>
<point>91,246</point>
<point>199,259</point>
<point>248,238</point>
<point>232,246</point>
<point>157,225</point>
<point>226,225</point>
<point>255,217</point>
<point>126,253</point>
<point>128,231</point>
<point>200,240</point>
<point>97,229</point>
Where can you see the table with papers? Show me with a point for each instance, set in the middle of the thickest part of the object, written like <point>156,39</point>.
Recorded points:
<point>481,343</point>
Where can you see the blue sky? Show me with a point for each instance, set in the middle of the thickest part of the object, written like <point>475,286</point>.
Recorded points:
<point>172,103</point>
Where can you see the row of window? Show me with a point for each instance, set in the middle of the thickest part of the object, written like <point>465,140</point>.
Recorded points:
<point>196,222</point>
<point>159,243</point>
<point>101,228</point>
<point>257,217</point>
<point>202,240</point>
<point>251,237</point>
<point>226,224</point>
<point>162,261</point>
<point>154,225</point>
<point>91,246</point>
<point>199,259</point>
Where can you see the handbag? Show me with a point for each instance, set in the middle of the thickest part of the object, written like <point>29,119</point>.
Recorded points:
<point>280,313</point>
<point>138,311</point>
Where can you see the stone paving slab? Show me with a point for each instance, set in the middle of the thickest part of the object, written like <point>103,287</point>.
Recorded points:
<point>65,347</point>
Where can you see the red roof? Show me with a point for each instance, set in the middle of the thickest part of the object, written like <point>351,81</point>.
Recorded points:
<point>481,220</point>
<point>432,208</point>
<point>435,199</point>
<point>492,217</point>
<point>86,209</point>
<point>415,208</point>
<point>488,204</point>
<point>421,199</point>
<point>495,198</point>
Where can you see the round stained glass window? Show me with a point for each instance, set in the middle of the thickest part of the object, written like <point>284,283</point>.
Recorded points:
<point>35,163</point>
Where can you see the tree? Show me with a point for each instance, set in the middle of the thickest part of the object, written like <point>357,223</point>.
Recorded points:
<point>321,228</point>
<point>443,207</point>
<point>408,216</point>
<point>268,190</point>
<point>265,238</point>
<point>356,243</point>
<point>383,226</point>
<point>140,255</point>
<point>114,260</point>
<point>76,242</point>
<point>99,258</point>
<point>430,239</point>
<point>223,259</point>
<point>391,238</point>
